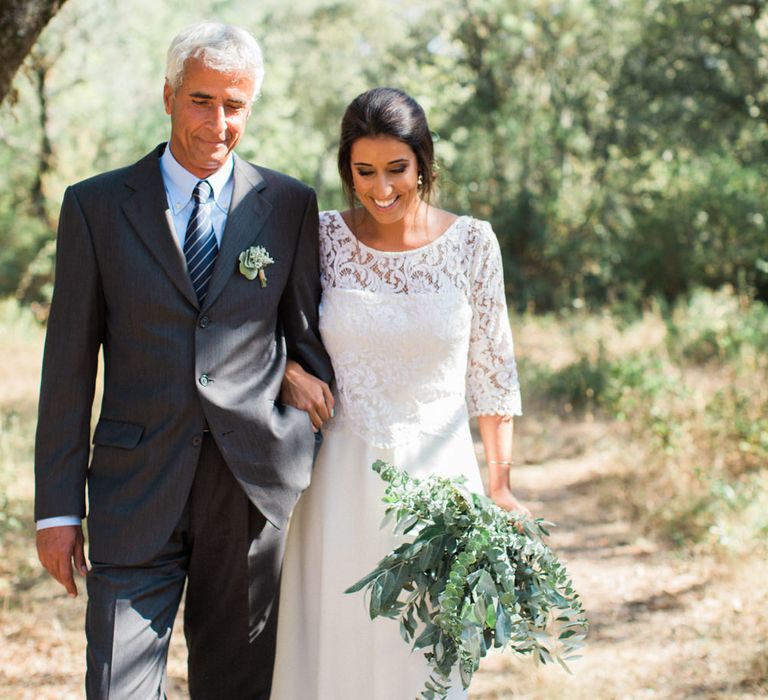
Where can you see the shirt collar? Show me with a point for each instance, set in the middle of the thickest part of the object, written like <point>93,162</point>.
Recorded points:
<point>180,183</point>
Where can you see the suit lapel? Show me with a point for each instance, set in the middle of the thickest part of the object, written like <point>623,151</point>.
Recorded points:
<point>248,211</point>
<point>147,210</point>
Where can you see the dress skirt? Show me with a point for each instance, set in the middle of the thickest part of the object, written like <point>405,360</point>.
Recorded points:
<point>328,648</point>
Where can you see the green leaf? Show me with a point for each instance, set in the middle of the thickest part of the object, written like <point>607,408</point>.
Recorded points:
<point>465,672</point>
<point>429,635</point>
<point>479,611</point>
<point>490,616</point>
<point>363,582</point>
<point>470,578</point>
<point>375,604</point>
<point>405,633</point>
<point>503,626</point>
<point>387,519</point>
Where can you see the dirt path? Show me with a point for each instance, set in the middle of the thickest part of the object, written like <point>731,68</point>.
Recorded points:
<point>663,625</point>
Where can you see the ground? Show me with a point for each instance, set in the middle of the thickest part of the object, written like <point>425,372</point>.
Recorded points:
<point>663,624</point>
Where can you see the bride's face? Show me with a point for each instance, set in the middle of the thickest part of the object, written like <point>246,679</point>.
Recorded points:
<point>385,177</point>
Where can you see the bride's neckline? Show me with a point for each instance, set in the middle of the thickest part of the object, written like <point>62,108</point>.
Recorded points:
<point>421,248</point>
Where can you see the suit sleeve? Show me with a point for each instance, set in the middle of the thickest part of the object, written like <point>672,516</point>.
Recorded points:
<point>70,360</point>
<point>301,298</point>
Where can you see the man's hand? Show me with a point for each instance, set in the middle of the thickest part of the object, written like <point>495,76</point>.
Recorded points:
<point>307,393</point>
<point>58,549</point>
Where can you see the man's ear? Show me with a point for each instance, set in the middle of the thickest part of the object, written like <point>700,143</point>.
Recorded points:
<point>167,97</point>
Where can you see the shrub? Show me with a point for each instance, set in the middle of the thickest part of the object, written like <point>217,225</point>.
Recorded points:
<point>717,326</point>
<point>694,409</point>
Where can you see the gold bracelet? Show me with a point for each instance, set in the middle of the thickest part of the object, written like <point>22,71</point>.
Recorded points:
<point>508,462</point>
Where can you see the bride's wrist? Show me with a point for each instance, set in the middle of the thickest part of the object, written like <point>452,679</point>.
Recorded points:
<point>497,491</point>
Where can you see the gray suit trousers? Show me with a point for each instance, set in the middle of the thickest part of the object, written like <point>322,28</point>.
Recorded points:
<point>230,557</point>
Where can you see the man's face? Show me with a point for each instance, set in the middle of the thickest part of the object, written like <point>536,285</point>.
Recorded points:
<point>208,112</point>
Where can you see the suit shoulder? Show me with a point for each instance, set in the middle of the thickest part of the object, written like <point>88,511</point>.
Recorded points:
<point>113,179</point>
<point>100,182</point>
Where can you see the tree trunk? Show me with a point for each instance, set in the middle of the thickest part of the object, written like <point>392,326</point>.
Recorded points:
<point>21,22</point>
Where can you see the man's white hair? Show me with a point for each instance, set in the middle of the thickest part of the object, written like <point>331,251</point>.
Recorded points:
<point>223,47</point>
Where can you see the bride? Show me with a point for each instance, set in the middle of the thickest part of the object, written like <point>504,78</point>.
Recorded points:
<point>414,317</point>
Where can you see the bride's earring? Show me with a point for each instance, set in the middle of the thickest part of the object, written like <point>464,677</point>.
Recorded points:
<point>420,181</point>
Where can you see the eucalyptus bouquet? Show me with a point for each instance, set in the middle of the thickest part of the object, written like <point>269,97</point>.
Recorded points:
<point>473,577</point>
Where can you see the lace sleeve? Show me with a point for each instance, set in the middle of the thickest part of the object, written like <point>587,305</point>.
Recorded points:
<point>492,384</point>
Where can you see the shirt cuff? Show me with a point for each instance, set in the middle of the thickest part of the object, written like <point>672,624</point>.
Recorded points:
<point>58,521</point>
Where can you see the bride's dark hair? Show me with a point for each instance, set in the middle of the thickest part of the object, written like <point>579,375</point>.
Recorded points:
<point>385,111</point>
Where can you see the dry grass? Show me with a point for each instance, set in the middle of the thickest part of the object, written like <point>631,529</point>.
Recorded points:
<point>666,623</point>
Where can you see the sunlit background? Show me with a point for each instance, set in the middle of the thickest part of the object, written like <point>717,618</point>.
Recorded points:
<point>620,150</point>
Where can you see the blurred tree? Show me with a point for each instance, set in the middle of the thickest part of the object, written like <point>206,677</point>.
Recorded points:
<point>21,22</point>
<point>618,147</point>
<point>692,105</point>
<point>51,72</point>
<point>520,94</point>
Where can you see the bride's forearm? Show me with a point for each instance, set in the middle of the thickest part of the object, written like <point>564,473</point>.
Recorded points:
<point>496,433</point>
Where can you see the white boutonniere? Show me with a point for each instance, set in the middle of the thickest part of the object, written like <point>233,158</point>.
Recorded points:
<point>253,260</point>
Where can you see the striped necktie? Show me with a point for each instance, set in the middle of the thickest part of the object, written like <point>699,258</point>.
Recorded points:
<point>200,246</point>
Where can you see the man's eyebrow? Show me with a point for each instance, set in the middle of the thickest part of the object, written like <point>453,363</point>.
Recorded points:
<point>205,96</point>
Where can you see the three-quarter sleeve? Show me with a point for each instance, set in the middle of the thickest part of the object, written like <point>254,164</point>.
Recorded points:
<point>492,384</point>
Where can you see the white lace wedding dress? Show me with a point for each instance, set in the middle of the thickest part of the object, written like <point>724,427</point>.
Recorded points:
<point>420,341</point>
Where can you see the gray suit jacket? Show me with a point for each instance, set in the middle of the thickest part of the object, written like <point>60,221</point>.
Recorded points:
<point>170,367</point>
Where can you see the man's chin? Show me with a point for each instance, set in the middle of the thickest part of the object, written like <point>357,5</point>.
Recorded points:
<point>211,162</point>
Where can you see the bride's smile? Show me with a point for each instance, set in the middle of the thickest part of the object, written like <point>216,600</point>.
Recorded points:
<point>385,177</point>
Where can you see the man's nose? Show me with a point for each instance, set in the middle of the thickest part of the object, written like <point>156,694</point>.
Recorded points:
<point>218,118</point>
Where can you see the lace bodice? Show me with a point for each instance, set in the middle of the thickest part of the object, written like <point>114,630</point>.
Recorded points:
<point>419,339</point>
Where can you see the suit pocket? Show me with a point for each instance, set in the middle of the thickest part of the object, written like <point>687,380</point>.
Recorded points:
<point>115,433</point>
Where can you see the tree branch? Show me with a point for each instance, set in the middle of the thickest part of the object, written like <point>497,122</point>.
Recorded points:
<point>21,22</point>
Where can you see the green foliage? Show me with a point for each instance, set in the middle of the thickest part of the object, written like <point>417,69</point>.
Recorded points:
<point>620,149</point>
<point>691,220</point>
<point>472,578</point>
<point>737,512</point>
<point>688,388</point>
<point>635,387</point>
<point>20,343</point>
<point>717,327</point>
<point>577,386</point>
<point>24,229</point>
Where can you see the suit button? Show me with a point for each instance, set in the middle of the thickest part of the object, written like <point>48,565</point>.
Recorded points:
<point>204,321</point>
<point>203,380</point>
<point>197,440</point>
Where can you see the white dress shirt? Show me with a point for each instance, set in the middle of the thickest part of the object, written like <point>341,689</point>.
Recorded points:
<point>179,184</point>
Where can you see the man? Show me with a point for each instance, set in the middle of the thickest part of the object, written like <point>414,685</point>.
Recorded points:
<point>195,273</point>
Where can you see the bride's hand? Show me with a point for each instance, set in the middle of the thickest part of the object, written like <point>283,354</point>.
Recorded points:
<point>505,499</point>
<point>306,392</point>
